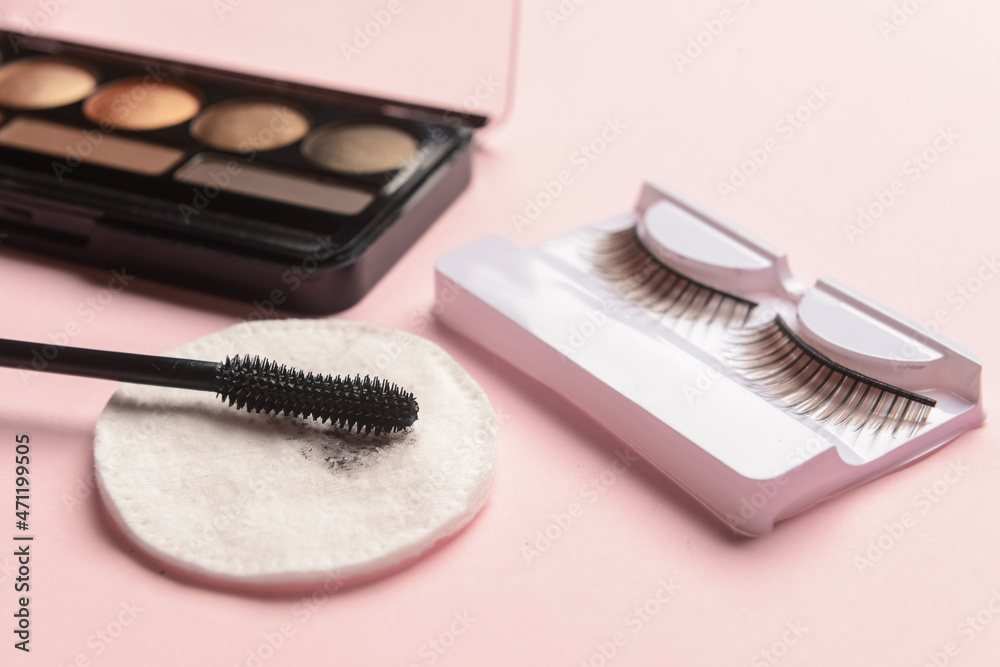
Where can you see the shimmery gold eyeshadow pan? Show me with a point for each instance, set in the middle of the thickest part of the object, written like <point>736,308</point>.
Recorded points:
<point>259,189</point>
<point>240,125</point>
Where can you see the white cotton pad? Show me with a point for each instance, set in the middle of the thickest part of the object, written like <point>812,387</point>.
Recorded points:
<point>259,499</point>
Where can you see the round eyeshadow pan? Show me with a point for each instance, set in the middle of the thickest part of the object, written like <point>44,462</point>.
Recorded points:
<point>359,148</point>
<point>44,82</point>
<point>138,104</point>
<point>249,124</point>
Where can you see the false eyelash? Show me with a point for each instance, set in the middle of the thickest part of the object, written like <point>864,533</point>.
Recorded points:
<point>783,366</point>
<point>637,275</point>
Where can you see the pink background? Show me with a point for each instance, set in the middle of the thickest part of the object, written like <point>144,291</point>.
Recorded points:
<point>889,95</point>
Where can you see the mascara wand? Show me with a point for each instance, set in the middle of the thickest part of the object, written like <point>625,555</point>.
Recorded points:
<point>254,384</point>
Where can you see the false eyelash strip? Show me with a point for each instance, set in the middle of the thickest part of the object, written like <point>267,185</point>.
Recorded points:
<point>637,275</point>
<point>774,359</point>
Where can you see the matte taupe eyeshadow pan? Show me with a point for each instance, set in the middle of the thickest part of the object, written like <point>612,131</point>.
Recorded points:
<point>142,103</point>
<point>249,124</point>
<point>44,82</point>
<point>359,148</point>
<point>259,181</point>
<point>57,140</point>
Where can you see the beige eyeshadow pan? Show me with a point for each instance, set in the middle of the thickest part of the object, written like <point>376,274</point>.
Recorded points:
<point>359,148</point>
<point>44,82</point>
<point>249,124</point>
<point>142,103</point>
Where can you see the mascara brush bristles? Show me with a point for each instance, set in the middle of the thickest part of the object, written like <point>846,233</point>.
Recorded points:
<point>247,383</point>
<point>363,404</point>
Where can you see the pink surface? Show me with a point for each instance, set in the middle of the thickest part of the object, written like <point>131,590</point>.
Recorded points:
<point>904,571</point>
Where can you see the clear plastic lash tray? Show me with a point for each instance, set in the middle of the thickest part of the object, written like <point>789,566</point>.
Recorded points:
<point>689,339</point>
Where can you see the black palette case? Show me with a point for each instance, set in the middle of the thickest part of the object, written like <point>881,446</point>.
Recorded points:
<point>307,221</point>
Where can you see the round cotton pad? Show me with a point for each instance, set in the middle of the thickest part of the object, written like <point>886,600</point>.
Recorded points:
<point>261,499</point>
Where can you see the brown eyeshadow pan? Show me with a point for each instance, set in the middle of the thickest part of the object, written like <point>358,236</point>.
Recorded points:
<point>243,125</point>
<point>359,148</point>
<point>44,82</point>
<point>142,103</point>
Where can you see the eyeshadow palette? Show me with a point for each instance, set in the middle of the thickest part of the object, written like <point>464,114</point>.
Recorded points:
<point>690,339</point>
<point>255,188</point>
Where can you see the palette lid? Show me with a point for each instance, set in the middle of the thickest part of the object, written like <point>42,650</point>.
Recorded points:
<point>451,59</point>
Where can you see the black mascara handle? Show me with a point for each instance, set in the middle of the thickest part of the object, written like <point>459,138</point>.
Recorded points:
<point>120,366</point>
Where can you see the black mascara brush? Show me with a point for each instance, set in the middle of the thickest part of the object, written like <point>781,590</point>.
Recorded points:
<point>254,384</point>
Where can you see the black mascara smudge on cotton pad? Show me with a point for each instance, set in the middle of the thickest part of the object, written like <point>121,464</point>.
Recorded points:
<point>338,449</point>
<point>345,452</point>
<point>339,455</point>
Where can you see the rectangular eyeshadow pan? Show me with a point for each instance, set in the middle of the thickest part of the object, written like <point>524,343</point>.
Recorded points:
<point>255,181</point>
<point>57,140</point>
